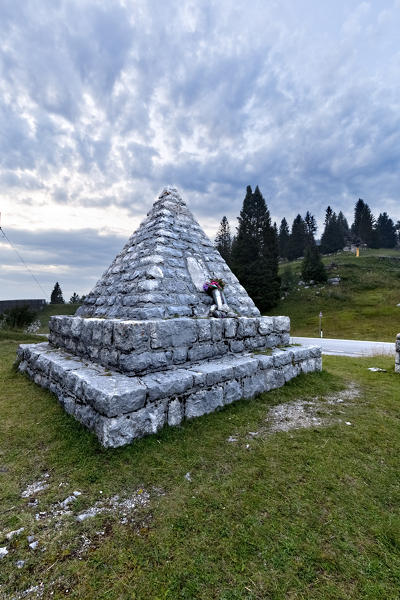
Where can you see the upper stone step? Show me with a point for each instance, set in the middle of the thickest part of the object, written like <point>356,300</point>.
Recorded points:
<point>161,270</point>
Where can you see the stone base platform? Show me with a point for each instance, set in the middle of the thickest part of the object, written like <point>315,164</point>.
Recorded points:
<point>120,408</point>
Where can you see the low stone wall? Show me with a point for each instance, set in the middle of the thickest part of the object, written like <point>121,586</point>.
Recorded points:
<point>119,408</point>
<point>139,347</point>
<point>397,360</point>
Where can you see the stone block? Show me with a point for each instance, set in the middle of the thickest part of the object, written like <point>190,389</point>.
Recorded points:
<point>282,358</point>
<point>204,329</point>
<point>253,385</point>
<point>135,363</point>
<point>119,431</point>
<point>265,361</point>
<point>204,402</point>
<point>301,353</point>
<point>272,340</point>
<point>175,412</point>
<point>201,351</point>
<point>281,324</point>
<point>131,335</point>
<point>109,394</point>
<point>230,327</point>
<point>244,366</point>
<point>81,412</point>
<point>265,325</point>
<point>217,328</point>
<point>148,285</point>
<point>216,371</point>
<point>76,326</point>
<point>167,383</point>
<point>247,327</point>
<point>232,391</point>
<point>178,311</point>
<point>236,346</point>
<point>285,339</point>
<point>179,355</point>
<point>290,371</point>
<point>308,365</point>
<point>173,332</point>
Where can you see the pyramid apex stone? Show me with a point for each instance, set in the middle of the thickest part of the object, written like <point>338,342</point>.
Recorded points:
<point>170,194</point>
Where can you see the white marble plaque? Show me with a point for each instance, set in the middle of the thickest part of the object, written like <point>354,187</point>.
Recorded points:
<point>197,272</point>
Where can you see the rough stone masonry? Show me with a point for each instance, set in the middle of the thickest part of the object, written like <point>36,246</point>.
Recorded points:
<point>397,359</point>
<point>142,351</point>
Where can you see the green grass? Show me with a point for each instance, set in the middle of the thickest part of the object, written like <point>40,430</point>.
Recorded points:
<point>363,306</point>
<point>43,316</point>
<point>310,514</point>
<point>54,309</point>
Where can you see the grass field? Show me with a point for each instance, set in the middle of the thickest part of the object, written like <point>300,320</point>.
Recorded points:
<point>55,309</point>
<point>309,513</point>
<point>362,306</point>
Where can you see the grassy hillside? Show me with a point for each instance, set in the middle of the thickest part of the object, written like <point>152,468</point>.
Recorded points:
<point>264,513</point>
<point>362,306</point>
<point>55,309</point>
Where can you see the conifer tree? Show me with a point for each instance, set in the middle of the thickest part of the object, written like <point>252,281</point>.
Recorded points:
<point>343,226</point>
<point>74,298</point>
<point>328,214</point>
<point>298,239</point>
<point>223,240</point>
<point>363,226</point>
<point>56,295</point>
<point>255,251</point>
<point>311,225</point>
<point>385,232</point>
<point>312,268</point>
<point>284,236</point>
<point>332,238</point>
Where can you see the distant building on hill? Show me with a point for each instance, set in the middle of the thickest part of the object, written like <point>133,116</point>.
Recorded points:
<point>35,304</point>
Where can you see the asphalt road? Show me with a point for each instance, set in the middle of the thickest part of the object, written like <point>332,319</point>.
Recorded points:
<point>347,347</point>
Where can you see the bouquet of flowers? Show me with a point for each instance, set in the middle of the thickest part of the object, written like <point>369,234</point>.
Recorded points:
<point>214,284</point>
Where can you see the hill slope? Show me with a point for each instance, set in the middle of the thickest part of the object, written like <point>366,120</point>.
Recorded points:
<point>362,306</point>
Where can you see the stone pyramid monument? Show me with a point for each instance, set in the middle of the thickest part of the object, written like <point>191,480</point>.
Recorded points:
<point>150,346</point>
<point>161,271</point>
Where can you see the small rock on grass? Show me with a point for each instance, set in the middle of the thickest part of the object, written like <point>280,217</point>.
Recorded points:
<point>377,370</point>
<point>188,477</point>
<point>11,534</point>
<point>3,552</point>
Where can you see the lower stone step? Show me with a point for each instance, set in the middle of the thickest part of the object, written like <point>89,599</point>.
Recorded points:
<point>120,408</point>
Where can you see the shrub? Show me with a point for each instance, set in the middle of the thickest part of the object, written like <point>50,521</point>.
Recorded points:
<point>18,317</point>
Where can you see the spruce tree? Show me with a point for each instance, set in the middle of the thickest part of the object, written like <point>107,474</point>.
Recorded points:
<point>343,227</point>
<point>74,298</point>
<point>363,226</point>
<point>56,295</point>
<point>255,251</point>
<point>332,238</point>
<point>298,239</point>
<point>223,240</point>
<point>385,232</point>
<point>312,268</point>
<point>284,236</point>
<point>311,226</point>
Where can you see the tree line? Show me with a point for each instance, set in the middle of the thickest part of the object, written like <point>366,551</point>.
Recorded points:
<point>253,253</point>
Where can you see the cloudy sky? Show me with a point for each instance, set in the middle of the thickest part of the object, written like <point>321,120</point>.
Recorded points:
<point>102,103</point>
